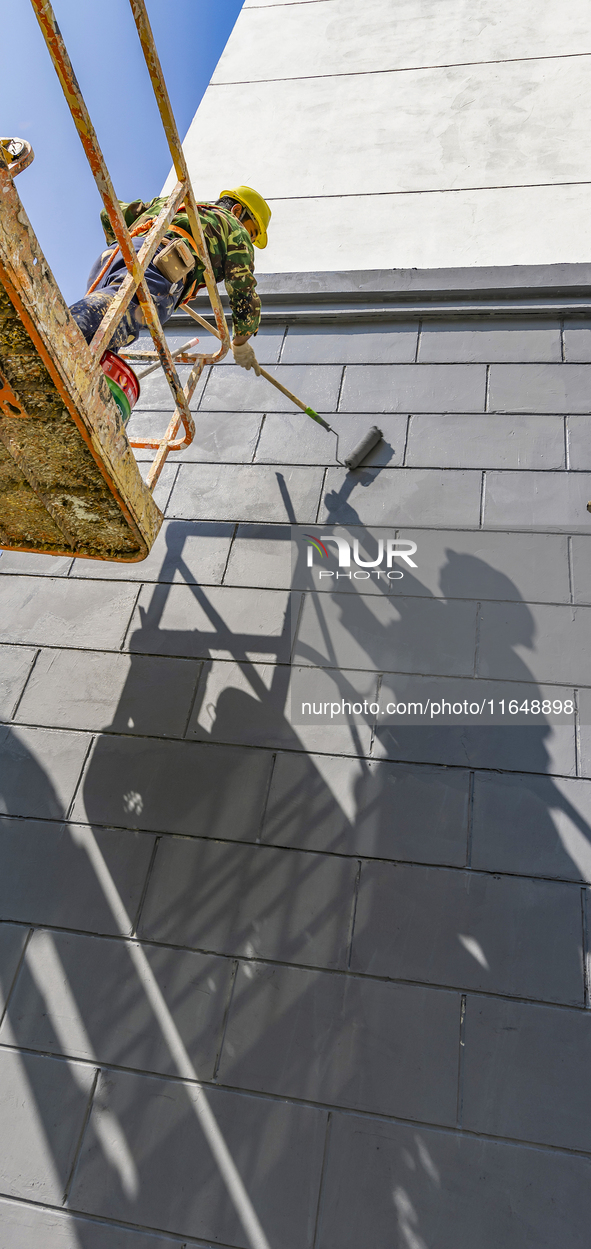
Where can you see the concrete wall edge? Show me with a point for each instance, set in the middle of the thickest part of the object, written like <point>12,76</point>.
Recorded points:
<point>360,296</point>
<point>516,279</point>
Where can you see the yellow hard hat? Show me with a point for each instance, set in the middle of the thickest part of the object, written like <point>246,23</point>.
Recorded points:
<point>257,207</point>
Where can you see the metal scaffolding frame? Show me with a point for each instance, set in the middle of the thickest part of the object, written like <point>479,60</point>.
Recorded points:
<point>137,262</point>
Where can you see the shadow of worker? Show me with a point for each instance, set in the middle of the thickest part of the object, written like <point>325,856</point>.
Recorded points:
<point>535,820</point>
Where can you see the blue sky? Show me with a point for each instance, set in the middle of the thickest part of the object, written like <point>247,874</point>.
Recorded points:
<point>58,190</point>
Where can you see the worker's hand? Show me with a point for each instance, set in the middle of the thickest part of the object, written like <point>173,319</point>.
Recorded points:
<point>245,357</point>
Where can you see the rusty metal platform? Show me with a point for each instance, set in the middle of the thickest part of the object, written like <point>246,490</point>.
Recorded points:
<point>68,478</point>
<point>69,483</point>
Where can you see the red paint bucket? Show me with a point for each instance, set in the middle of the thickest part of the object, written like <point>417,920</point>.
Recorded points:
<point>122,382</point>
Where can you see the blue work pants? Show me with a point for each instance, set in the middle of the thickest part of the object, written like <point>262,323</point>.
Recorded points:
<point>89,311</point>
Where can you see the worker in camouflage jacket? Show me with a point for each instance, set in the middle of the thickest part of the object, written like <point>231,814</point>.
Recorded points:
<point>230,226</point>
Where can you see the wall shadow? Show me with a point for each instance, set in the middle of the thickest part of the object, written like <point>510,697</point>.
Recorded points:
<point>225,803</point>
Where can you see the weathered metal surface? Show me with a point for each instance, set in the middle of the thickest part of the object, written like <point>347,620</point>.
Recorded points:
<point>10,404</point>
<point>144,29</point>
<point>69,483</point>
<point>81,118</point>
<point>136,263</point>
<point>182,355</point>
<point>18,154</point>
<point>168,442</point>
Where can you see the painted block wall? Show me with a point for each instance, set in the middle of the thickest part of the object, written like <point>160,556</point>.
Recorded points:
<point>405,133</point>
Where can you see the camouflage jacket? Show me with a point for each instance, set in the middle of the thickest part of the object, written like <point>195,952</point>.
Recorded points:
<point>230,249</point>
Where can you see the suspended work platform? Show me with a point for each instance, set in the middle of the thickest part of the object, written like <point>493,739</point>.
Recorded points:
<point>69,483</point>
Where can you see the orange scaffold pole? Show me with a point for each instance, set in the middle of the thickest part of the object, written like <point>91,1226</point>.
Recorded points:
<point>137,262</point>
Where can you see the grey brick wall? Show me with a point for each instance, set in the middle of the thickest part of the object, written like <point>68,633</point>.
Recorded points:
<point>369,951</point>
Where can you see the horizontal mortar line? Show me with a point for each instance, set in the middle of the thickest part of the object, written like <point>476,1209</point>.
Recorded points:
<point>267,961</point>
<point>487,994</point>
<point>290,1099</point>
<point>565,687</point>
<point>450,190</point>
<point>535,682</point>
<point>364,529</point>
<point>396,69</point>
<point>244,745</point>
<point>182,1238</point>
<point>351,1111</point>
<point>209,743</point>
<point>384,468</point>
<point>58,728</point>
<point>443,414</point>
<point>452,528</point>
<point>539,720</point>
<point>433,467</point>
<point>83,650</point>
<point>495,413</point>
<point>407,528</point>
<point>320,852</point>
<point>210,585</point>
<point>324,852</point>
<point>410,410</point>
<point>105,732</point>
<point>321,364</point>
<point>286,750</point>
<point>391,596</point>
<point>373,531</point>
<point>573,531</point>
<point>149,737</point>
<point>300,663</point>
<point>401,364</point>
<point>55,648</point>
<point>495,873</point>
<point>302,589</point>
<point>283,749</point>
<point>238,585</point>
<point>550,315</point>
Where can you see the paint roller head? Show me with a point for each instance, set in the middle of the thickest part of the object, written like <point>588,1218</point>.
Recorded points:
<point>363,448</point>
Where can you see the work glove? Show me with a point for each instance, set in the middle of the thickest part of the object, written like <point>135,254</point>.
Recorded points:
<point>245,357</point>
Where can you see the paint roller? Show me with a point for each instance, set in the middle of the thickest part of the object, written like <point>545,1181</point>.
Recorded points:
<point>363,448</point>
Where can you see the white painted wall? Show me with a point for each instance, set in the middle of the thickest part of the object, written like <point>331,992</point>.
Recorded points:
<point>401,133</point>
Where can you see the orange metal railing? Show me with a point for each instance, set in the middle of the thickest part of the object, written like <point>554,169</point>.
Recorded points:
<point>137,262</point>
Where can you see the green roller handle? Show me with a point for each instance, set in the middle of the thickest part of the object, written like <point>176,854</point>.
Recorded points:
<point>319,419</point>
<point>294,399</point>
